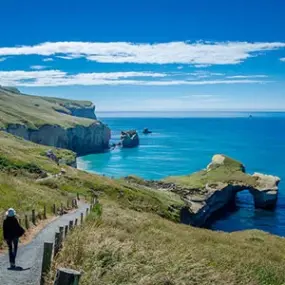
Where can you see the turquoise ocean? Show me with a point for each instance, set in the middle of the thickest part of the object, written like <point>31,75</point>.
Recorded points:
<point>184,142</point>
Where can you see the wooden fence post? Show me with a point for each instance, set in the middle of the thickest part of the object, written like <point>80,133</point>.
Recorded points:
<point>56,244</point>
<point>78,197</point>
<point>33,217</point>
<point>76,222</point>
<point>66,231</point>
<point>47,258</point>
<point>61,208</point>
<point>54,209</point>
<point>45,211</point>
<point>81,218</point>
<point>70,225</point>
<point>61,230</point>
<point>26,222</point>
<point>87,210</point>
<point>65,276</point>
<point>75,203</point>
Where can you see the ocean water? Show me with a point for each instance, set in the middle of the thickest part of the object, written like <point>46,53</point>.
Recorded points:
<point>182,143</point>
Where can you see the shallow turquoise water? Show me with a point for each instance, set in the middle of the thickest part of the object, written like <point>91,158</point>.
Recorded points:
<point>184,144</point>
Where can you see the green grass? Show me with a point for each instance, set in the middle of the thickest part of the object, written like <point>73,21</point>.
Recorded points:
<point>122,246</point>
<point>230,172</point>
<point>22,162</point>
<point>34,111</point>
<point>133,236</point>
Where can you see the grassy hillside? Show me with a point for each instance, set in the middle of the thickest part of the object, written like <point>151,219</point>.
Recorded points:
<point>35,111</point>
<point>133,236</point>
<point>22,164</point>
<point>130,247</point>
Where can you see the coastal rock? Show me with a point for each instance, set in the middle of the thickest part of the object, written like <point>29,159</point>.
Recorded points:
<point>146,131</point>
<point>129,139</point>
<point>80,139</point>
<point>266,191</point>
<point>211,190</point>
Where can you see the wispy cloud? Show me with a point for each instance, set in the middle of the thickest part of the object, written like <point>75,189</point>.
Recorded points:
<point>282,59</point>
<point>47,59</point>
<point>197,53</point>
<point>247,76</point>
<point>60,78</point>
<point>38,67</point>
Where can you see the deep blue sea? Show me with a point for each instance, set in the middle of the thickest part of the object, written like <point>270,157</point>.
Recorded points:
<point>182,143</point>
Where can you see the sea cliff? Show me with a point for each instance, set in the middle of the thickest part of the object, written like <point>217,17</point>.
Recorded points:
<point>54,122</point>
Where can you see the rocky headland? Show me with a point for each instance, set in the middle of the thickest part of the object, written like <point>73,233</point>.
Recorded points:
<point>212,189</point>
<point>56,122</point>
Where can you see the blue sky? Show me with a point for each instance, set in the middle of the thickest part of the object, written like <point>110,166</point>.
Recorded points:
<point>147,55</point>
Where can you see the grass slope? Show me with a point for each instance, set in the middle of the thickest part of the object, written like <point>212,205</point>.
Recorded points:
<point>34,111</point>
<point>21,165</point>
<point>129,247</point>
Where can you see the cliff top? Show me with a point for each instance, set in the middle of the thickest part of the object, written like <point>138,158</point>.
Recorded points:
<point>35,111</point>
<point>222,169</point>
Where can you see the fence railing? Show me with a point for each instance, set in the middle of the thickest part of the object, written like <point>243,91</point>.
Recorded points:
<point>64,276</point>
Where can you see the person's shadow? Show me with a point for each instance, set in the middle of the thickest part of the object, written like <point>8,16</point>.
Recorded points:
<point>18,268</point>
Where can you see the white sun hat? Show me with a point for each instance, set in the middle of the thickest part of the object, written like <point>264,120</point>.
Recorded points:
<point>11,213</point>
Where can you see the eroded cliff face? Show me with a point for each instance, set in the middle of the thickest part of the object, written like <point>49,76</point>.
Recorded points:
<point>80,139</point>
<point>83,112</point>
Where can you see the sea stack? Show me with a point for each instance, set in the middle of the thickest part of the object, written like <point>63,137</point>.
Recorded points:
<point>129,138</point>
<point>146,131</point>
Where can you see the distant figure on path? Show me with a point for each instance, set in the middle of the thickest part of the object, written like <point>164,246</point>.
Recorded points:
<point>12,231</point>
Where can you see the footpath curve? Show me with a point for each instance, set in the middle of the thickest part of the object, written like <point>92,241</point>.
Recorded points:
<point>29,256</point>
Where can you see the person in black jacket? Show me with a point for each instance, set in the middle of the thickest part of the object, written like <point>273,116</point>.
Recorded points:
<point>12,231</point>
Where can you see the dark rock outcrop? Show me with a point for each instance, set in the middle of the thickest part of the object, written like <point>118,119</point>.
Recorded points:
<point>129,139</point>
<point>146,131</point>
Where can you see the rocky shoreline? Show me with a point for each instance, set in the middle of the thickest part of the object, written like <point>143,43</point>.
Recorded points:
<point>219,183</point>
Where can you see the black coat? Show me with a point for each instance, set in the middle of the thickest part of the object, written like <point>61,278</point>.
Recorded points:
<point>12,228</point>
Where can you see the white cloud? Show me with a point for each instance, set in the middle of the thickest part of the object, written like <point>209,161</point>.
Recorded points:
<point>247,76</point>
<point>47,59</point>
<point>60,78</point>
<point>201,65</point>
<point>198,53</point>
<point>282,59</point>
<point>38,67</point>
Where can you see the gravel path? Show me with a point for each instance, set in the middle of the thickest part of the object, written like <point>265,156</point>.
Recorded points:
<point>29,257</point>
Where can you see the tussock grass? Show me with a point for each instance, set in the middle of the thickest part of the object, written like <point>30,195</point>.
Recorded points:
<point>129,247</point>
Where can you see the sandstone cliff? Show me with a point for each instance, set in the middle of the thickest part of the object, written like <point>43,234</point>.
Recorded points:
<point>53,121</point>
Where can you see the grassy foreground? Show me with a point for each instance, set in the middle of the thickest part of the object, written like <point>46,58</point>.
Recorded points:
<point>129,247</point>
